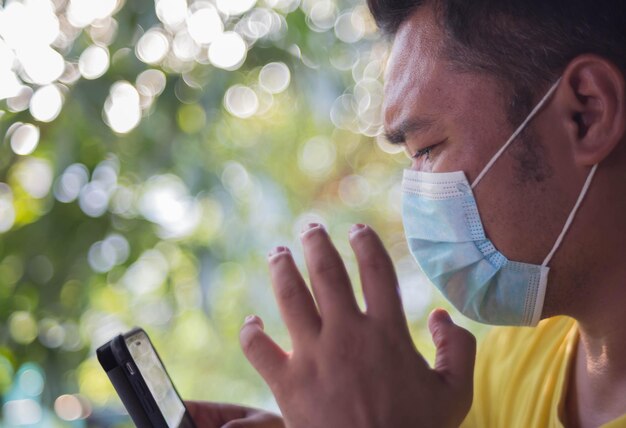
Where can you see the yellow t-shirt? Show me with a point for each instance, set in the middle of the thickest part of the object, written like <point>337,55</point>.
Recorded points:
<point>521,375</point>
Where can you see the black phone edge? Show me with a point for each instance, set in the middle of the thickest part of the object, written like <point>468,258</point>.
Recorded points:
<point>115,359</point>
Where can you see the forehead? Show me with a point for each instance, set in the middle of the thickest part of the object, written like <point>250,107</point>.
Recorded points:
<point>416,77</point>
<point>422,86</point>
<point>418,41</point>
<point>419,79</point>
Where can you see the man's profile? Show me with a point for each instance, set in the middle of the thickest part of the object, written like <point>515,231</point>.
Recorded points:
<point>514,113</point>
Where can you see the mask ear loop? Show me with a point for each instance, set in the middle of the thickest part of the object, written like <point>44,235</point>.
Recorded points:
<point>518,131</point>
<point>570,219</point>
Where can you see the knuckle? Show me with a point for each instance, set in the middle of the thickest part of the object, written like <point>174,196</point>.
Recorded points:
<point>325,265</point>
<point>471,341</point>
<point>289,291</point>
<point>349,346</point>
<point>251,343</point>
<point>464,336</point>
<point>372,255</point>
<point>376,263</point>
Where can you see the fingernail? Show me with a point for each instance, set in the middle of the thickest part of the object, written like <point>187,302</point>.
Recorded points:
<point>278,250</point>
<point>311,226</point>
<point>356,228</point>
<point>253,319</point>
<point>445,316</point>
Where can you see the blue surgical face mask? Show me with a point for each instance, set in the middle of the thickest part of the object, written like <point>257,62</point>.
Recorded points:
<point>446,236</point>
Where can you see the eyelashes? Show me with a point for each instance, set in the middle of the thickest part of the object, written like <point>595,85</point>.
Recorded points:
<point>426,150</point>
<point>423,152</point>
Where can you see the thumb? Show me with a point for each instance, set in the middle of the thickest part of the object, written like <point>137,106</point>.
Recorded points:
<point>456,350</point>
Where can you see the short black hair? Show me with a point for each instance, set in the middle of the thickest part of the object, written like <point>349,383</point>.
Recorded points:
<point>525,44</point>
<point>520,39</point>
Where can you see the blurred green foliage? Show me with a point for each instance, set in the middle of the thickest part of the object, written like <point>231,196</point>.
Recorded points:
<point>166,224</point>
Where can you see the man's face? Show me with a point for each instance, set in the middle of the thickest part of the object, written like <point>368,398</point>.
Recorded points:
<point>463,116</point>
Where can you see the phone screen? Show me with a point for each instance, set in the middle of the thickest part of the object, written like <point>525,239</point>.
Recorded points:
<point>155,376</point>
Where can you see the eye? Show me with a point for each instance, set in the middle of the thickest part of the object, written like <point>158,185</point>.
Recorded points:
<point>423,152</point>
<point>426,150</point>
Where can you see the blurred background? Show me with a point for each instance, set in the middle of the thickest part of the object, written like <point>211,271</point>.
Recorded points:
<point>153,152</point>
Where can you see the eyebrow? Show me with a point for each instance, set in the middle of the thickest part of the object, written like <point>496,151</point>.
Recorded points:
<point>398,134</point>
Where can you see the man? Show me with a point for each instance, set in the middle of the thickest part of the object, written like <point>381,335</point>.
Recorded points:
<point>515,115</point>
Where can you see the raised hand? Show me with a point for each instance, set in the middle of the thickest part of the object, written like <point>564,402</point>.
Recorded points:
<point>349,368</point>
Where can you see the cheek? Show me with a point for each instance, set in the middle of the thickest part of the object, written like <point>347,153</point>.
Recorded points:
<point>522,218</point>
<point>471,145</point>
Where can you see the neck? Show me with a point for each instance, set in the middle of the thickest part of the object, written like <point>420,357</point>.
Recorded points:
<point>602,354</point>
<point>598,379</point>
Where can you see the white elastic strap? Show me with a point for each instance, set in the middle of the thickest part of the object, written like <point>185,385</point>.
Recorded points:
<point>570,219</point>
<point>530,117</point>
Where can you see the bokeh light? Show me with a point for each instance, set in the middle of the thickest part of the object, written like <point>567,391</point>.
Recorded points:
<point>122,110</point>
<point>31,380</point>
<point>274,77</point>
<point>22,327</point>
<point>172,13</point>
<point>350,27</point>
<point>228,51</point>
<point>46,103</point>
<point>321,14</point>
<point>69,184</point>
<point>82,13</point>
<point>147,274</point>
<point>51,333</point>
<point>21,99</point>
<point>317,156</point>
<point>354,190</point>
<point>69,407</point>
<point>112,251</point>
<point>93,62</point>
<point>22,412</point>
<point>241,101</point>
<point>235,7</point>
<point>204,24</point>
<point>34,176</point>
<point>166,202</point>
<point>152,46</point>
<point>150,84</point>
<point>24,139</point>
<point>184,47</point>
<point>42,65</point>
<point>7,210</point>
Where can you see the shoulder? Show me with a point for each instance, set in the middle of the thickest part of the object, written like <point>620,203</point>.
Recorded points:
<point>519,371</point>
<point>516,344</point>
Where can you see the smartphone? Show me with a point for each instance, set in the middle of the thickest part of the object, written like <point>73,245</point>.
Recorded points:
<point>140,379</point>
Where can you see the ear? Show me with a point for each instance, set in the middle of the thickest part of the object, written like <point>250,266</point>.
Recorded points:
<point>593,94</point>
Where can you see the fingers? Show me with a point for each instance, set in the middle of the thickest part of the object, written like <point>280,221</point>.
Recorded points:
<point>221,415</point>
<point>258,420</point>
<point>263,353</point>
<point>213,415</point>
<point>294,299</point>
<point>378,276</point>
<point>329,279</point>
<point>456,350</point>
